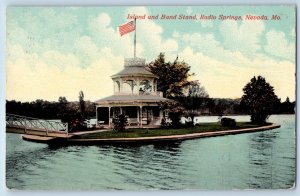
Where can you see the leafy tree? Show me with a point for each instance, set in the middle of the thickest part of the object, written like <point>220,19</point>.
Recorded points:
<point>259,99</point>
<point>220,107</point>
<point>287,100</point>
<point>82,104</point>
<point>62,105</point>
<point>195,89</point>
<point>173,76</point>
<point>287,107</point>
<point>62,101</point>
<point>195,99</point>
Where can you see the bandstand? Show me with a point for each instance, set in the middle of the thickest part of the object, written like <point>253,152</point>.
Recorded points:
<point>135,95</point>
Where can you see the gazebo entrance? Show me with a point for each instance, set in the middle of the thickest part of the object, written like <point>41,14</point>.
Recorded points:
<point>138,116</point>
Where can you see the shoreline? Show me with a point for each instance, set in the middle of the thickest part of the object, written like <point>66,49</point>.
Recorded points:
<point>152,139</point>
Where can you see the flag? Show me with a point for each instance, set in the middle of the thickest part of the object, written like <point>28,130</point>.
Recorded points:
<point>127,28</point>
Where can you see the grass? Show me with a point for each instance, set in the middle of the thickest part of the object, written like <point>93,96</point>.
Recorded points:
<point>134,133</point>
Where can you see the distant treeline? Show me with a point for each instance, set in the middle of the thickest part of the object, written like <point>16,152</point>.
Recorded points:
<point>201,106</point>
<point>218,106</point>
<point>49,110</point>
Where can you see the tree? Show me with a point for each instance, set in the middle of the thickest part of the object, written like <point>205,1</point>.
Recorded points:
<point>287,107</point>
<point>259,99</point>
<point>76,117</point>
<point>220,107</point>
<point>82,104</point>
<point>195,98</point>
<point>287,100</point>
<point>62,105</point>
<point>195,89</point>
<point>173,76</point>
<point>62,100</point>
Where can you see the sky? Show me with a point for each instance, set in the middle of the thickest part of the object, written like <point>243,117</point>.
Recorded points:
<point>58,51</point>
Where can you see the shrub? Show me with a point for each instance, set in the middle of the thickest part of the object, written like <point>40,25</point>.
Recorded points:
<point>175,111</point>
<point>228,122</point>
<point>189,123</point>
<point>175,119</point>
<point>120,122</point>
<point>164,123</point>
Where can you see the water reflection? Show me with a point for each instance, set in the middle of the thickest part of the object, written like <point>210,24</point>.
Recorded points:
<point>19,162</point>
<point>260,159</point>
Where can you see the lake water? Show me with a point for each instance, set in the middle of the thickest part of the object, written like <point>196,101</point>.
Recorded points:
<point>261,160</point>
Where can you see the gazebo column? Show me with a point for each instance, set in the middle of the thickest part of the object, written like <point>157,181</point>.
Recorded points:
<point>121,85</point>
<point>161,115</point>
<point>138,116</point>
<point>109,116</point>
<point>141,116</point>
<point>96,116</point>
<point>138,85</point>
<point>152,86</point>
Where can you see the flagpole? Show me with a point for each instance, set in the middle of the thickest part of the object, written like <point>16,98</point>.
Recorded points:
<point>135,38</point>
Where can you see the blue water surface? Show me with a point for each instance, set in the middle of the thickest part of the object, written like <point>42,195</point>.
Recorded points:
<point>261,160</point>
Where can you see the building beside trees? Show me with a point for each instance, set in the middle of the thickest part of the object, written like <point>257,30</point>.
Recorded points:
<point>135,95</point>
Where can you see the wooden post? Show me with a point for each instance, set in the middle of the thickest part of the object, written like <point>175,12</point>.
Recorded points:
<point>109,116</point>
<point>138,116</point>
<point>141,116</point>
<point>96,116</point>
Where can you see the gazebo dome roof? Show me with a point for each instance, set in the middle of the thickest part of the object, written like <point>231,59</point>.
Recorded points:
<point>134,67</point>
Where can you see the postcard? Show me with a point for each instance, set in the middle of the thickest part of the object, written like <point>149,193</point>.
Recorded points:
<point>151,98</point>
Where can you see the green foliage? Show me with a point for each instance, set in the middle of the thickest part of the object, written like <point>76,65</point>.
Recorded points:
<point>36,109</point>
<point>259,99</point>
<point>220,107</point>
<point>82,104</point>
<point>175,111</point>
<point>228,122</point>
<point>164,123</point>
<point>195,89</point>
<point>287,107</point>
<point>173,76</point>
<point>120,122</point>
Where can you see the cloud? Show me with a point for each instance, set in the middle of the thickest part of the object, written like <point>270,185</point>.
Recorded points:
<point>175,34</point>
<point>189,10</point>
<point>206,23</point>
<point>225,66</point>
<point>244,37</point>
<point>223,79</point>
<point>277,45</point>
<point>293,33</point>
<point>149,34</point>
<point>81,55</point>
<point>204,42</point>
<point>55,58</point>
<point>104,34</point>
<point>207,44</point>
<point>86,65</point>
<point>49,81</point>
